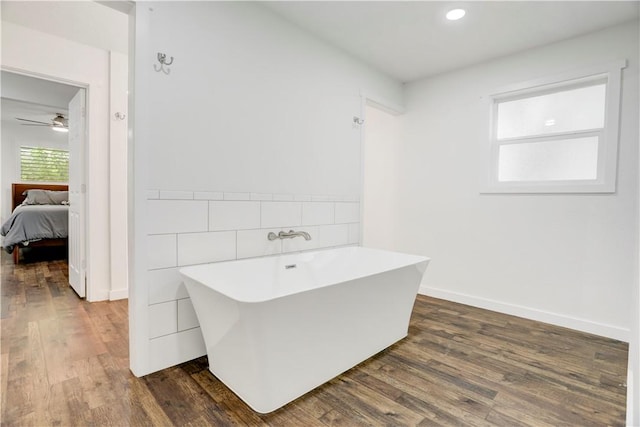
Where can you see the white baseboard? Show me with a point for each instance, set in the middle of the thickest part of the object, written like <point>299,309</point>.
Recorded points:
<point>631,404</point>
<point>118,294</point>
<point>101,295</point>
<point>565,321</point>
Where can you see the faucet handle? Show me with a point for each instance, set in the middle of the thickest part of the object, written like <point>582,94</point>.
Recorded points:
<point>272,235</point>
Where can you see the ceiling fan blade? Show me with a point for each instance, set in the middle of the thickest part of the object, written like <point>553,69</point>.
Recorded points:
<point>33,121</point>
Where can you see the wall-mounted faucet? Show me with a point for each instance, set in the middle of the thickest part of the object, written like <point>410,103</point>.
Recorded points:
<point>288,235</point>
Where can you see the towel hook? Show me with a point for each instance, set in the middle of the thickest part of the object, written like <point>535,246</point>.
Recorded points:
<point>162,59</point>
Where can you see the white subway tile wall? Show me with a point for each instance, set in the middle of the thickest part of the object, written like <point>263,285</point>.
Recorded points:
<point>354,233</point>
<point>208,195</point>
<point>163,319</point>
<point>280,214</point>
<point>176,195</point>
<point>314,213</point>
<point>188,228</point>
<point>234,215</point>
<point>254,243</point>
<point>261,196</point>
<point>283,197</point>
<point>237,196</point>
<point>162,251</point>
<point>201,248</point>
<point>165,284</point>
<point>333,235</point>
<point>171,216</point>
<point>300,244</point>
<point>302,197</point>
<point>347,212</point>
<point>153,194</point>
<point>187,318</point>
<point>186,345</point>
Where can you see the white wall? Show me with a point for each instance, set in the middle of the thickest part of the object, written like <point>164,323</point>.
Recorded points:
<point>633,370</point>
<point>13,137</point>
<point>118,174</point>
<point>28,51</point>
<point>86,22</point>
<point>569,259</point>
<point>381,161</point>
<point>251,130</point>
<point>248,102</point>
<point>87,37</point>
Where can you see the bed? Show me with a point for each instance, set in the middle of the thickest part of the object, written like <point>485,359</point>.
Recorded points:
<point>43,220</point>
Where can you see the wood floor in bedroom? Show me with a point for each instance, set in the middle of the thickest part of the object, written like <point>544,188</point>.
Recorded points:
<point>65,362</point>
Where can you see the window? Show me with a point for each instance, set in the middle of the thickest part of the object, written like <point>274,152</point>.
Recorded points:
<point>556,135</point>
<point>44,164</point>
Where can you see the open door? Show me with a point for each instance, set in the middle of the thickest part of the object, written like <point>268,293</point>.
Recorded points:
<point>77,190</point>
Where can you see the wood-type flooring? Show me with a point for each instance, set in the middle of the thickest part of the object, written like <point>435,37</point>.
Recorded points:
<point>65,363</point>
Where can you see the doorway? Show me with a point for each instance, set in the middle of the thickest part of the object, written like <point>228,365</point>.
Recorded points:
<point>42,144</point>
<point>89,39</point>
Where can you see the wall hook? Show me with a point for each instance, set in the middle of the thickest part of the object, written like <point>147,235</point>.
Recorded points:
<point>358,120</point>
<point>162,59</point>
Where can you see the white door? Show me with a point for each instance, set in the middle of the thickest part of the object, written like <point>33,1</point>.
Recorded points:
<point>77,190</point>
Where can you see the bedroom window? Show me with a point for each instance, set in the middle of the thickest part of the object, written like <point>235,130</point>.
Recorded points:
<point>44,164</point>
<point>556,135</point>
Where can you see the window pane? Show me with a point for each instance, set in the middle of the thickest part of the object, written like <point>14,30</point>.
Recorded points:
<point>44,164</point>
<point>565,111</point>
<point>560,160</point>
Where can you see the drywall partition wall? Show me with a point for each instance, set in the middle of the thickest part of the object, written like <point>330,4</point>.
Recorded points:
<point>249,130</point>
<point>381,169</point>
<point>253,103</point>
<point>633,366</point>
<point>118,184</point>
<point>26,50</point>
<point>13,137</point>
<point>569,259</point>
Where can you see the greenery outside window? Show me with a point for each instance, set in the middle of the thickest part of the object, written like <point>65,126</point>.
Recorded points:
<point>44,164</point>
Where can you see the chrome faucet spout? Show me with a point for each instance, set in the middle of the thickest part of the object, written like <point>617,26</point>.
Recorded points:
<point>288,235</point>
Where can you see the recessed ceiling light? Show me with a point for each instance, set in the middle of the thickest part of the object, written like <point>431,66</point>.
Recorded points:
<point>455,14</point>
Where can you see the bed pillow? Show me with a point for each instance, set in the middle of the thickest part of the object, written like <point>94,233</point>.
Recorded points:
<point>46,197</point>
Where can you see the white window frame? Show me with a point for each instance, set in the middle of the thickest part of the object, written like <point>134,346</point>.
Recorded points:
<point>605,182</point>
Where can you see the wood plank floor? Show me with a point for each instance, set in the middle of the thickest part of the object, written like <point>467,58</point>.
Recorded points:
<point>65,362</point>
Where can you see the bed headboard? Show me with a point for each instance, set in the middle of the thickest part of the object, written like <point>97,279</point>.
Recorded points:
<point>18,188</point>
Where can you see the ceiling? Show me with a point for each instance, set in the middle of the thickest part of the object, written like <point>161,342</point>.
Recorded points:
<point>85,22</point>
<point>409,40</point>
<point>33,99</point>
<point>26,110</point>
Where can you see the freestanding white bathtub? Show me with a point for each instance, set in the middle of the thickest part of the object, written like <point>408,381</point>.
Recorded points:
<point>277,327</point>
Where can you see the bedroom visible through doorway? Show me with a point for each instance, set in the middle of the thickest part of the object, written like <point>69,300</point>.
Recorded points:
<point>43,133</point>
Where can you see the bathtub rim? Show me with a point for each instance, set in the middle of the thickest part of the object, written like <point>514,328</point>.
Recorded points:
<point>419,261</point>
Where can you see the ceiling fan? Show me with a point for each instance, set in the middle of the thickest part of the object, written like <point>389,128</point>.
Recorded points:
<point>58,123</point>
